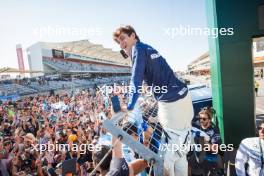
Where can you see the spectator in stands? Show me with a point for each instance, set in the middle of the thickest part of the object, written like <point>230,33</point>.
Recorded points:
<point>249,157</point>
<point>175,105</point>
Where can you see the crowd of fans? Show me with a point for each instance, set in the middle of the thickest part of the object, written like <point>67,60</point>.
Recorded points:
<point>49,119</point>
<point>30,125</point>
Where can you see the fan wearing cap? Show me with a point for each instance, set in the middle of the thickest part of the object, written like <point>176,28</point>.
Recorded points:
<point>250,154</point>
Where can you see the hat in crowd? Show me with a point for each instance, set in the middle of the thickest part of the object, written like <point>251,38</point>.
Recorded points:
<point>72,137</point>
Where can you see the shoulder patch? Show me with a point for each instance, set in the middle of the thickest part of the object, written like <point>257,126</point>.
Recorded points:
<point>155,55</point>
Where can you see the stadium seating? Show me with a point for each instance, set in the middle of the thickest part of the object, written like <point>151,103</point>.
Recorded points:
<point>13,89</point>
<point>67,66</point>
<point>36,87</point>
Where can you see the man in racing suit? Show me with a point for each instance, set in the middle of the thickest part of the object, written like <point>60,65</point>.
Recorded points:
<point>174,101</point>
<point>249,157</point>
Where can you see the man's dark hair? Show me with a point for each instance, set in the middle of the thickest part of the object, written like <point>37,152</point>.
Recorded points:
<point>259,122</point>
<point>98,156</point>
<point>124,29</point>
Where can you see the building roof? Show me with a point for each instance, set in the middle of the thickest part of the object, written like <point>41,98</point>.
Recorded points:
<point>203,56</point>
<point>16,70</point>
<point>86,48</point>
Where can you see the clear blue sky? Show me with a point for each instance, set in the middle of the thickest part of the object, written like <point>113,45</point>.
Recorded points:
<point>150,18</point>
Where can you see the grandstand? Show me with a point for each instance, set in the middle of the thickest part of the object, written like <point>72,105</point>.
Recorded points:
<point>74,67</point>
<point>35,86</point>
<point>76,57</point>
<point>15,89</point>
<point>67,66</point>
